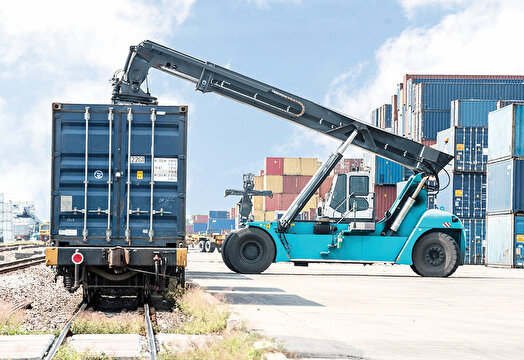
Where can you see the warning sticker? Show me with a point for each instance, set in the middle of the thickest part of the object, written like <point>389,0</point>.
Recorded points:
<point>166,169</point>
<point>140,175</point>
<point>460,146</point>
<point>458,192</point>
<point>520,238</point>
<point>66,203</point>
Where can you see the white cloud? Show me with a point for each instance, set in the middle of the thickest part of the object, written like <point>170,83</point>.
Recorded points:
<point>264,4</point>
<point>410,6</point>
<point>479,39</point>
<point>66,51</point>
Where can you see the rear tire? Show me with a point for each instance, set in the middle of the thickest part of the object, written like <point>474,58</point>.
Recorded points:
<point>202,245</point>
<point>436,255</point>
<point>224,253</point>
<point>250,250</point>
<point>210,247</point>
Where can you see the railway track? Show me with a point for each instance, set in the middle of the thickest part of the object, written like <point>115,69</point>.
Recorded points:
<point>20,264</point>
<point>148,318</point>
<point>20,247</point>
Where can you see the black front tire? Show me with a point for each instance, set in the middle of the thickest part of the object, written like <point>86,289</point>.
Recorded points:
<point>436,255</point>
<point>250,250</point>
<point>224,253</point>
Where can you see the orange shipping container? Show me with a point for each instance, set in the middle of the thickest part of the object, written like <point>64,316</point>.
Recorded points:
<point>385,196</point>
<point>258,202</point>
<point>259,182</point>
<point>273,204</point>
<point>275,183</point>
<point>325,187</point>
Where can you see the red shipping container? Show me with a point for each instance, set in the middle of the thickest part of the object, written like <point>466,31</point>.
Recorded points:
<point>232,213</point>
<point>293,184</point>
<point>385,196</point>
<point>274,166</point>
<point>200,219</point>
<point>273,204</point>
<point>287,200</point>
<point>312,214</point>
<point>189,229</point>
<point>325,187</point>
<point>261,173</point>
<point>429,142</point>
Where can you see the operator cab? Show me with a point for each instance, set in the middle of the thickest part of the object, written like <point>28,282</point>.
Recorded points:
<point>351,200</point>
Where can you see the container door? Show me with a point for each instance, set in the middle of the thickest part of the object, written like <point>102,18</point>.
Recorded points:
<point>153,193</point>
<point>519,241</point>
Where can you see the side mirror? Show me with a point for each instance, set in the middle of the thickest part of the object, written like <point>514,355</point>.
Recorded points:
<point>319,211</point>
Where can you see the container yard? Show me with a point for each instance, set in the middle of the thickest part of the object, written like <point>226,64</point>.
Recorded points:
<point>151,217</point>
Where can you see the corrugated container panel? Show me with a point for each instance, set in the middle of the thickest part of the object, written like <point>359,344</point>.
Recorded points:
<point>506,131</point>
<point>308,166</point>
<point>464,196</point>
<point>503,103</point>
<point>199,227</point>
<point>506,186</point>
<point>293,184</point>
<point>259,183</point>
<point>189,229</point>
<point>386,171</point>
<point>374,117</point>
<point>274,166</point>
<point>287,200</point>
<point>258,215</point>
<point>217,214</point>
<point>428,142</point>
<point>200,218</point>
<point>471,112</point>
<point>258,202</point>
<point>431,122</point>
<point>272,204</point>
<point>438,96</point>
<point>269,216</point>
<point>233,213</point>
<point>385,196</point>
<point>274,183</point>
<point>505,237</point>
<point>217,225</point>
<point>432,204</point>
<point>325,187</point>
<point>468,145</point>
<point>475,230</point>
<point>169,175</point>
<point>312,215</point>
<point>312,203</point>
<point>291,166</point>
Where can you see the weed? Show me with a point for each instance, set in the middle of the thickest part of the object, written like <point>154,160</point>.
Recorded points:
<point>96,323</point>
<point>206,315</point>
<point>66,352</point>
<point>11,321</point>
<point>236,346</point>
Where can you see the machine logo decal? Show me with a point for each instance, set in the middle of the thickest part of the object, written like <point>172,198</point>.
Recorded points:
<point>98,174</point>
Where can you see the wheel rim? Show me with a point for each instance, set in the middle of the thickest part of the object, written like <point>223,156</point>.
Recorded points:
<point>434,255</point>
<point>251,251</point>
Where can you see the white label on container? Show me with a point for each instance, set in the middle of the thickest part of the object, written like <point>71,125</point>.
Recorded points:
<point>144,231</point>
<point>67,232</point>
<point>485,151</point>
<point>137,159</point>
<point>66,203</point>
<point>166,169</point>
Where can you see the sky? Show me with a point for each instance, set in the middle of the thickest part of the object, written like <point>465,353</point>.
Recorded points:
<point>345,54</point>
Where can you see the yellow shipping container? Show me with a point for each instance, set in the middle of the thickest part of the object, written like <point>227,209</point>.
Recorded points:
<point>308,166</point>
<point>312,203</point>
<point>259,182</point>
<point>258,202</point>
<point>258,215</point>
<point>275,183</point>
<point>269,216</point>
<point>291,166</point>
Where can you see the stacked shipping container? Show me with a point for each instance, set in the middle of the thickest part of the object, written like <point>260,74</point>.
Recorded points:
<point>505,172</point>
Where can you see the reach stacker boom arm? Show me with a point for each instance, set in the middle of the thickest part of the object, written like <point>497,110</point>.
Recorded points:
<point>432,241</point>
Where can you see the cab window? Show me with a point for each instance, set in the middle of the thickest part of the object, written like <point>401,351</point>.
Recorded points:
<point>359,185</point>
<point>338,199</point>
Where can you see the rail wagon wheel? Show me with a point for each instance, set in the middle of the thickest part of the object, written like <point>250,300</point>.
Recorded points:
<point>250,251</point>
<point>436,254</point>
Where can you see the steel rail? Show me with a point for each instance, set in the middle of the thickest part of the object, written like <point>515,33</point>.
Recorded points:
<point>20,264</point>
<point>60,339</point>
<point>150,332</point>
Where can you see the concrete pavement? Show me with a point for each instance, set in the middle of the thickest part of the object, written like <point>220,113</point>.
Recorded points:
<point>375,312</point>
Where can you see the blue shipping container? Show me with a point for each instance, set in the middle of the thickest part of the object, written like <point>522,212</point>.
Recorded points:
<point>505,240</point>
<point>464,195</point>
<point>387,172</point>
<point>506,186</point>
<point>468,145</point>
<point>217,225</point>
<point>506,129</point>
<point>431,122</point>
<point>116,188</point>
<point>471,112</point>
<point>438,96</point>
<point>199,227</point>
<point>218,214</point>
<point>475,230</point>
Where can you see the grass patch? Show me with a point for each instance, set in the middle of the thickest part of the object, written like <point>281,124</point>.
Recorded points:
<point>235,346</point>
<point>206,314</point>
<point>96,323</point>
<point>66,352</point>
<point>11,321</point>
